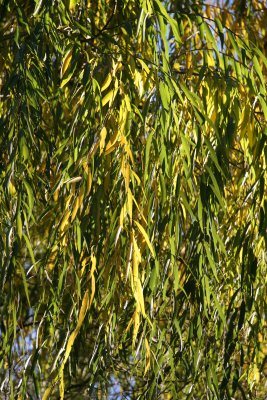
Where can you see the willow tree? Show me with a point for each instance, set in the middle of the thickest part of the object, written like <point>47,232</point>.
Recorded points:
<point>133,212</point>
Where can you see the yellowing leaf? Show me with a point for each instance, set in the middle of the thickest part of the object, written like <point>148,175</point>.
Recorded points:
<point>29,247</point>
<point>188,60</point>
<point>144,65</point>
<point>109,97</point>
<point>107,82</point>
<point>103,135</point>
<point>92,275</point>
<point>64,221</point>
<point>47,393</point>
<point>147,347</point>
<point>251,134</point>
<point>127,103</point>
<point>129,324</point>
<point>82,314</point>
<point>83,309</point>
<point>30,196</point>
<point>138,81</point>
<point>126,145</point>
<point>110,147</point>
<point>136,258</point>
<point>125,169</point>
<point>112,143</point>
<point>136,283</point>
<point>210,59</point>
<point>89,182</point>
<point>61,385</point>
<point>130,204</point>
<point>136,322</point>
<point>145,236</point>
<point>11,188</point>
<point>123,214</point>
<point>65,63</point>
<point>19,225</point>
<point>136,177</point>
<point>72,5</point>
<point>66,80</point>
<point>75,208</point>
<point>138,294</point>
<point>69,346</point>
<point>253,375</point>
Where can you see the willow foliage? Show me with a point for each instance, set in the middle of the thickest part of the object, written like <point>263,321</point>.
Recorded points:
<point>133,201</point>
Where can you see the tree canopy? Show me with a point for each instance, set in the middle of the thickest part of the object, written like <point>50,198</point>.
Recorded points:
<point>133,200</point>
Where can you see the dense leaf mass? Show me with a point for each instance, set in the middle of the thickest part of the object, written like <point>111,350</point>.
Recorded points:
<point>133,200</point>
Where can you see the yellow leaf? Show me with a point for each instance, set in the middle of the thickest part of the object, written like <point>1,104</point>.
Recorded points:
<point>138,208</point>
<point>183,211</point>
<point>60,376</point>
<point>254,375</point>
<point>89,182</point>
<point>47,393</point>
<point>130,204</point>
<point>65,81</point>
<point>123,214</point>
<point>125,143</point>
<point>129,324</point>
<point>67,203</point>
<point>61,385</point>
<point>69,346</point>
<point>72,5</point>
<point>65,63</point>
<point>92,275</point>
<point>52,257</point>
<point>251,134</point>
<point>11,188</point>
<point>136,178</point>
<point>84,263</point>
<point>103,135</point>
<point>127,103</point>
<point>64,221</point>
<point>136,283</point>
<point>188,60</point>
<point>125,169</point>
<point>147,356</point>
<point>145,236</point>
<point>107,82</point>
<point>210,59</point>
<point>83,309</point>
<point>136,258</point>
<point>138,81</point>
<point>113,143</point>
<point>123,116</point>
<point>136,322</point>
<point>138,294</point>
<point>56,194</point>
<point>19,225</point>
<point>111,146</point>
<point>244,120</point>
<point>143,64</point>
<point>109,97</point>
<point>82,314</point>
<point>75,208</point>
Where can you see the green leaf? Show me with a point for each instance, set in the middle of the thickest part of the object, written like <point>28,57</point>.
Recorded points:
<point>29,247</point>
<point>165,95</point>
<point>211,261</point>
